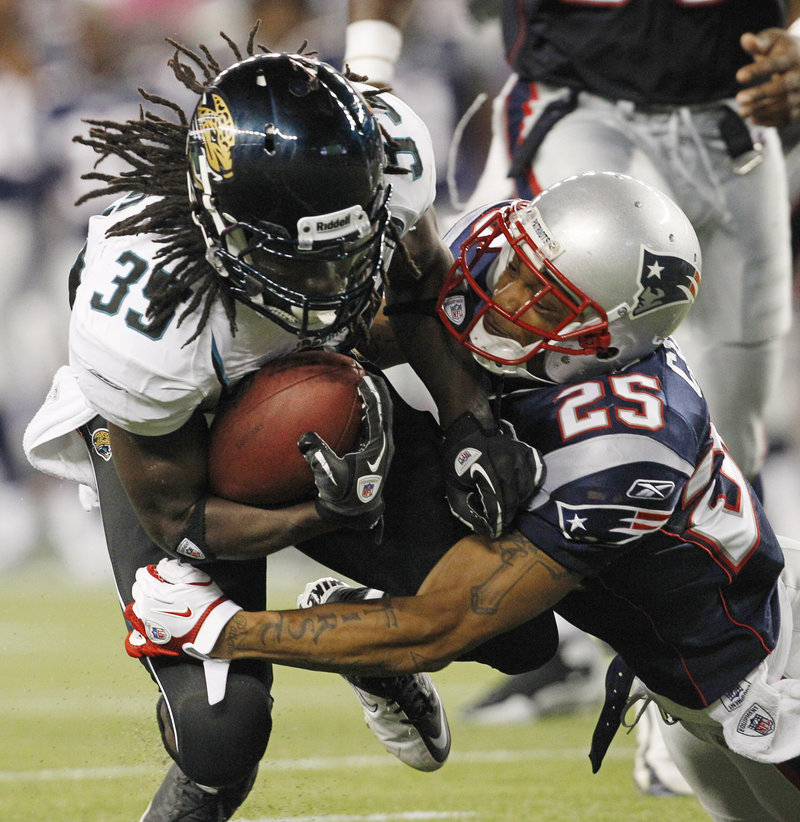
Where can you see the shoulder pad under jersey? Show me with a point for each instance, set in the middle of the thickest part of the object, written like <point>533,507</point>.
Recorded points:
<point>411,149</point>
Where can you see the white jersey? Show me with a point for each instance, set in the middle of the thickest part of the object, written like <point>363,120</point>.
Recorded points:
<point>150,380</point>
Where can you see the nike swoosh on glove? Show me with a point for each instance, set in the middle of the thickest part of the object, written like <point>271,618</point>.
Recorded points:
<point>489,474</point>
<point>177,609</point>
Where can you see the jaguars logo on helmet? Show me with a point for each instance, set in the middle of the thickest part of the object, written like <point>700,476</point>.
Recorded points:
<point>286,180</point>
<point>213,124</point>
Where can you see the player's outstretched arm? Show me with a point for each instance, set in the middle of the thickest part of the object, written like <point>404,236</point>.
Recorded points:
<point>773,78</point>
<point>374,37</point>
<point>489,472</point>
<point>480,588</point>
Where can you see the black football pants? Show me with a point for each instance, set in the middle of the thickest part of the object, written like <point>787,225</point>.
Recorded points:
<point>221,744</point>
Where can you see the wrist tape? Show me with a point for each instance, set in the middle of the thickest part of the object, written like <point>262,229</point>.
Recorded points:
<point>372,48</point>
<point>192,540</point>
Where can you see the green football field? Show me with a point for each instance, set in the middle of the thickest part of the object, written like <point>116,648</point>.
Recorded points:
<point>80,744</point>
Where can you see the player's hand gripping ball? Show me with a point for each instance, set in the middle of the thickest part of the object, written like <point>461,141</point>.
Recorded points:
<point>253,455</point>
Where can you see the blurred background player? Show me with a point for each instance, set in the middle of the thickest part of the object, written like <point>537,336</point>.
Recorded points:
<point>696,119</point>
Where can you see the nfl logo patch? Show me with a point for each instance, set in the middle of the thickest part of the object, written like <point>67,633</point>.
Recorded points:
<point>455,309</point>
<point>368,487</point>
<point>157,633</point>
<point>756,722</point>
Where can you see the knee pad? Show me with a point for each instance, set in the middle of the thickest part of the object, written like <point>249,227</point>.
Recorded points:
<point>217,745</point>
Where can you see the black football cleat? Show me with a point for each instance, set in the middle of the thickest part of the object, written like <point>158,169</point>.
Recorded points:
<point>179,799</point>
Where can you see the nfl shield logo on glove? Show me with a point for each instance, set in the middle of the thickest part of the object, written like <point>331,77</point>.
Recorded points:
<point>368,487</point>
<point>157,633</point>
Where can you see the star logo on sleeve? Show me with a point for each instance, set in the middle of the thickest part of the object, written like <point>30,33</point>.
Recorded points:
<point>577,523</point>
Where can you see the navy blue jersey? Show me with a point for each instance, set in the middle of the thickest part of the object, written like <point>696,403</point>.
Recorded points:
<point>643,501</point>
<point>665,52</point>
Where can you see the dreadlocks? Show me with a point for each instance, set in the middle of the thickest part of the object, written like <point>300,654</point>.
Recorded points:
<point>154,148</point>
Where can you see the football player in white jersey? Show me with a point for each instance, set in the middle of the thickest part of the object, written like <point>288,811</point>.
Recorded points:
<point>265,223</point>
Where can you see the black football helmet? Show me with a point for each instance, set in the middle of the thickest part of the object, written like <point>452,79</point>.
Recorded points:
<point>286,182</point>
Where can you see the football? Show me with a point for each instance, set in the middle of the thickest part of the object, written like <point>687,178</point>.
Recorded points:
<point>253,455</point>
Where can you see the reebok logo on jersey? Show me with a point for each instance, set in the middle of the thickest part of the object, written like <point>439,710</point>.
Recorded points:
<point>651,489</point>
<point>735,699</point>
<point>664,280</point>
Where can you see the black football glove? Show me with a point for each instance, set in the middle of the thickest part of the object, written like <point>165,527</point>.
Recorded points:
<point>488,474</point>
<point>350,488</point>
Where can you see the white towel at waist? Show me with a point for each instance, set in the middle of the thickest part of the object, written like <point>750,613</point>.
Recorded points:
<point>51,442</point>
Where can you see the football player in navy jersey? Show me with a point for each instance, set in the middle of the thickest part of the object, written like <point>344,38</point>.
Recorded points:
<point>684,95</point>
<point>645,532</point>
<point>267,221</point>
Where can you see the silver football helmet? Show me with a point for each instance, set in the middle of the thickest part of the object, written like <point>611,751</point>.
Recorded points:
<point>619,255</point>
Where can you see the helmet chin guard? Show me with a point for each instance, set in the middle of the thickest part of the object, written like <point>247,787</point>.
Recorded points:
<point>621,258</point>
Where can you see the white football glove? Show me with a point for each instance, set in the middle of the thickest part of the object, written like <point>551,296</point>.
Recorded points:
<point>176,609</point>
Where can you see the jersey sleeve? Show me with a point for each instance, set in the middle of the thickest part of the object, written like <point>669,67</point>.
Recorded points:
<point>411,149</point>
<point>144,377</point>
<point>603,495</point>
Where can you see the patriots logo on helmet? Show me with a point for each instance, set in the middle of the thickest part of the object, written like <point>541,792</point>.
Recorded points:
<point>664,280</point>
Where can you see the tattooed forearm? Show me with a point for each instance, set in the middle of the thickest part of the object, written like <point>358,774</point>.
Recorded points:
<point>517,557</point>
<point>232,636</point>
<point>277,629</point>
